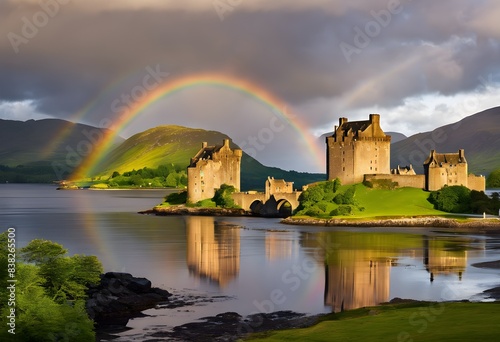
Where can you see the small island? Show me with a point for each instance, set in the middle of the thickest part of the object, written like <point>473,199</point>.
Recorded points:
<point>360,190</point>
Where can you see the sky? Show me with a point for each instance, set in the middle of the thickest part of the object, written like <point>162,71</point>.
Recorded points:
<point>420,64</point>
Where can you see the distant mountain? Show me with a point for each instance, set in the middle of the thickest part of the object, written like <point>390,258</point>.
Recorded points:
<point>31,147</point>
<point>395,136</point>
<point>176,144</point>
<point>478,134</point>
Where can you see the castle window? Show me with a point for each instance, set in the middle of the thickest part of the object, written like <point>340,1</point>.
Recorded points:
<point>376,169</point>
<point>370,167</point>
<point>343,169</point>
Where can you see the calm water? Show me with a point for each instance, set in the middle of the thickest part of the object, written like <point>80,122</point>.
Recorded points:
<point>260,264</point>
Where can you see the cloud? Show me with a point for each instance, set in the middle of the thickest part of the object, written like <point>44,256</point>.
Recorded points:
<point>87,53</point>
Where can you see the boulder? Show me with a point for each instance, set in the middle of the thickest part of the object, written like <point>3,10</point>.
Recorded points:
<point>121,296</point>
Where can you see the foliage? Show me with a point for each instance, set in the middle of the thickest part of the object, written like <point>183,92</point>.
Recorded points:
<point>342,210</point>
<point>386,184</point>
<point>493,180</point>
<point>323,199</point>
<point>459,199</point>
<point>347,197</point>
<point>176,198</point>
<point>452,199</point>
<point>163,176</point>
<point>50,293</point>
<point>223,196</point>
<point>65,278</point>
<point>206,203</point>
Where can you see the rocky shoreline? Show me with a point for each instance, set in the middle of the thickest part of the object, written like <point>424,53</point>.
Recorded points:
<point>431,222</point>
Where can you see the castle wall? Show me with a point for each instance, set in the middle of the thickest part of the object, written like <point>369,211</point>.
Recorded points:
<point>412,181</point>
<point>477,183</point>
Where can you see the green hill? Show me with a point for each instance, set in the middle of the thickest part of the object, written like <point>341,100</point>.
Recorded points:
<point>177,145</point>
<point>30,149</point>
<point>478,134</point>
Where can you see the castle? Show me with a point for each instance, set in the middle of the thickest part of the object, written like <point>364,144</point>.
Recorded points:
<point>357,148</point>
<point>357,151</point>
<point>210,168</point>
<point>360,151</point>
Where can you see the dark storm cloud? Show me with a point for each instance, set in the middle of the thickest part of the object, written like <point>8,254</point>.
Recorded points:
<point>292,49</point>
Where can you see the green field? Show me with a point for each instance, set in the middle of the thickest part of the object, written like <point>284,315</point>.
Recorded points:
<point>397,202</point>
<point>381,203</point>
<point>402,323</point>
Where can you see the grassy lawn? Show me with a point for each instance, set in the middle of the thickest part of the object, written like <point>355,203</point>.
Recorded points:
<point>402,323</point>
<point>397,202</point>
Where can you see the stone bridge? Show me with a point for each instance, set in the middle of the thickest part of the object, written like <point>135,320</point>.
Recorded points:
<point>280,204</point>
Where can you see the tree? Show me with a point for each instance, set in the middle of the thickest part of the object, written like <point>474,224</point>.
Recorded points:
<point>452,199</point>
<point>38,316</point>
<point>223,196</point>
<point>493,180</point>
<point>64,278</point>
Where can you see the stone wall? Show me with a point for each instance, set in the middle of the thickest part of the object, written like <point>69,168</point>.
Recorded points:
<point>477,183</point>
<point>413,181</point>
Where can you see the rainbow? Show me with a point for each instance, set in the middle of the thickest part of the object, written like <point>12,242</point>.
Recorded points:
<point>79,115</point>
<point>87,167</point>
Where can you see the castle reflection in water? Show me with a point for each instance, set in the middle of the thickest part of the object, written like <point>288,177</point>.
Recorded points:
<point>357,266</point>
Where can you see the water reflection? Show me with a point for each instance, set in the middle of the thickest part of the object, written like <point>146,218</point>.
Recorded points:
<point>358,265</point>
<point>447,256</point>
<point>213,251</point>
<point>280,246</point>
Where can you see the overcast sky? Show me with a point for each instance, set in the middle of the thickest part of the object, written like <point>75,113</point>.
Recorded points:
<point>420,64</point>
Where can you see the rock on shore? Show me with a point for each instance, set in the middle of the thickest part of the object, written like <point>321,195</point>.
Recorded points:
<point>119,297</point>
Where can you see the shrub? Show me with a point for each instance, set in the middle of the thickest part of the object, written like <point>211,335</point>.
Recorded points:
<point>342,210</point>
<point>452,199</point>
<point>493,180</point>
<point>223,196</point>
<point>176,197</point>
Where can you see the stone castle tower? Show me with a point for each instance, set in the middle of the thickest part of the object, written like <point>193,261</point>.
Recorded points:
<point>450,169</point>
<point>357,148</point>
<point>210,168</point>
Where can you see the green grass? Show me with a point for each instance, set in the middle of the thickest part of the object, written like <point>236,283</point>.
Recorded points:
<point>397,202</point>
<point>403,322</point>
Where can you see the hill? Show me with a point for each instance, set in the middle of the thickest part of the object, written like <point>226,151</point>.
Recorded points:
<point>177,145</point>
<point>478,134</point>
<point>29,149</point>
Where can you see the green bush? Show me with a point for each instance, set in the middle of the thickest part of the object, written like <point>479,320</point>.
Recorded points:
<point>342,210</point>
<point>223,196</point>
<point>50,293</point>
<point>452,199</point>
<point>493,180</point>
<point>176,198</point>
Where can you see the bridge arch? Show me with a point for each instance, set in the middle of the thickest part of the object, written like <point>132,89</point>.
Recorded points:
<point>256,206</point>
<point>284,207</point>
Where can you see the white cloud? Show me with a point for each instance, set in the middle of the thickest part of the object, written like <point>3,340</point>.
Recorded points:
<point>20,110</point>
